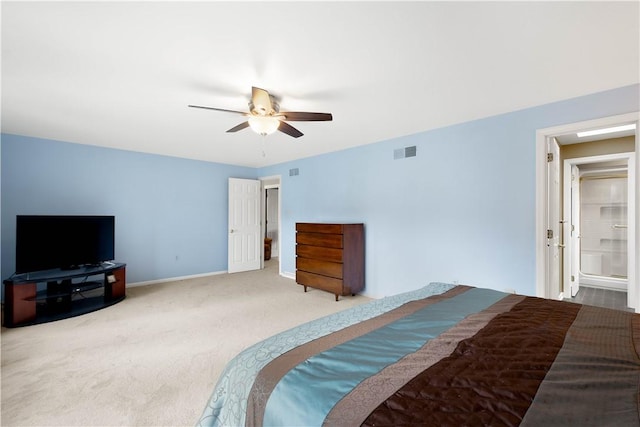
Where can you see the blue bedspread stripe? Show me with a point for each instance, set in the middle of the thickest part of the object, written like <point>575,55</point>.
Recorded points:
<point>228,401</point>
<point>294,401</point>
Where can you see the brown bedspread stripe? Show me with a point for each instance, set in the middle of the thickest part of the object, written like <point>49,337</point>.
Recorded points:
<point>490,378</point>
<point>598,359</point>
<point>354,408</point>
<point>271,374</point>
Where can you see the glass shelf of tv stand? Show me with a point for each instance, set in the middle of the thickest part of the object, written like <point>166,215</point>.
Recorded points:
<point>74,289</point>
<point>61,274</point>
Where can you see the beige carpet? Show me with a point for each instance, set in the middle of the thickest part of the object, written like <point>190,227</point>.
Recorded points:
<point>152,359</point>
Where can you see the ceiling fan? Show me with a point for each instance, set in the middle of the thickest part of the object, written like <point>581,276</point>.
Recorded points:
<point>265,116</point>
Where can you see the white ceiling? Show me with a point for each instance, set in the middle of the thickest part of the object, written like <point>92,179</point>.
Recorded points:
<point>121,74</point>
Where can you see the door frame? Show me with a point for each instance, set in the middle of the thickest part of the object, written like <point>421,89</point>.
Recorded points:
<point>541,196</point>
<point>554,221</point>
<point>571,196</point>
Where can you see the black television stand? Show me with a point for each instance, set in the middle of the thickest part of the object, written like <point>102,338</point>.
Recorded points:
<point>62,293</point>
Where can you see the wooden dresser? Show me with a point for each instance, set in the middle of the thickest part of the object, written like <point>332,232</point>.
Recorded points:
<point>330,257</point>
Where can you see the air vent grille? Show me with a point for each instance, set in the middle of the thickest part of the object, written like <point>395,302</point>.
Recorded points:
<point>294,172</point>
<point>401,153</point>
<point>410,151</point>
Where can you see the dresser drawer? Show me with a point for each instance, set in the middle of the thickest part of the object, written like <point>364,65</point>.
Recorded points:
<point>319,239</point>
<point>325,268</point>
<point>320,282</point>
<point>319,228</point>
<point>318,252</point>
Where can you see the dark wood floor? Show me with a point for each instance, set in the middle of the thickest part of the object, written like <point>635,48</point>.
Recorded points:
<point>601,298</point>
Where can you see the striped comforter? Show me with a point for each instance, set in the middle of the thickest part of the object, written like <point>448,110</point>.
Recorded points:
<point>443,355</point>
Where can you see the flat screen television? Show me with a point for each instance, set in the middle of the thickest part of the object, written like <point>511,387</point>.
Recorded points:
<point>45,242</point>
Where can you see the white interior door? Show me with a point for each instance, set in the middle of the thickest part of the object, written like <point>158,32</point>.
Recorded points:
<point>244,246</point>
<point>553,219</point>
<point>574,268</point>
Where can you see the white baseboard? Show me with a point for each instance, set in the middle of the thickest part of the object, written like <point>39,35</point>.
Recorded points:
<point>173,279</point>
<point>285,274</point>
<point>288,275</point>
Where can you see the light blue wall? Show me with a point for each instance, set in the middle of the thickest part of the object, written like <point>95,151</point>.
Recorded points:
<point>462,210</point>
<point>171,214</point>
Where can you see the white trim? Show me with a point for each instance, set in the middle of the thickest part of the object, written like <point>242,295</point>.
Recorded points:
<point>635,212</point>
<point>288,275</point>
<point>633,272</point>
<point>541,209</point>
<point>600,282</point>
<point>174,279</point>
<point>270,177</point>
<point>541,194</point>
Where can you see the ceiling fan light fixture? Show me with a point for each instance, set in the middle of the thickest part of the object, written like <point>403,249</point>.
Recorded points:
<point>264,115</point>
<point>264,125</point>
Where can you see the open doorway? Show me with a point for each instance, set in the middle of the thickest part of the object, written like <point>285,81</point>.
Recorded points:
<point>271,220</point>
<point>549,206</point>
<point>271,224</point>
<point>598,192</point>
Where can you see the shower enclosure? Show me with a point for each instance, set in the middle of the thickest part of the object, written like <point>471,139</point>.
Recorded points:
<point>603,227</point>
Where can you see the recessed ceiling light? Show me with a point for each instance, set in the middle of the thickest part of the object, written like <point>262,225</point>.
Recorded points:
<point>606,130</point>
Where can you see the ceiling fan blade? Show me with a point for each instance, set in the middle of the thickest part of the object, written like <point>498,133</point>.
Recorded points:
<point>289,130</point>
<point>261,101</point>
<point>239,127</point>
<point>218,109</point>
<point>300,116</point>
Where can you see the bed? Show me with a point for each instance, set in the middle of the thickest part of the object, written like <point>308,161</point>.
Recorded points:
<point>443,355</point>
